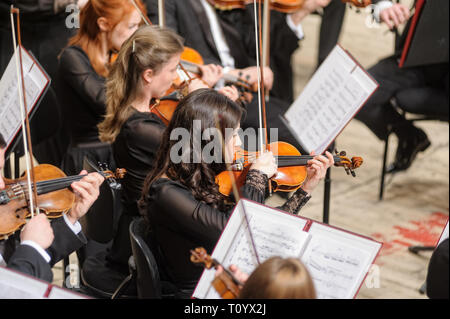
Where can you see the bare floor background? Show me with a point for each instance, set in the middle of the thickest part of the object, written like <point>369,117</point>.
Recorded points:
<point>416,205</point>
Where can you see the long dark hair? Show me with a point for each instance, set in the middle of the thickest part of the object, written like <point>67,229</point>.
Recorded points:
<point>207,106</point>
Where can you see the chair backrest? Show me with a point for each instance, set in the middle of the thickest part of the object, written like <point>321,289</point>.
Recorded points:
<point>426,101</point>
<point>148,280</point>
<point>100,222</point>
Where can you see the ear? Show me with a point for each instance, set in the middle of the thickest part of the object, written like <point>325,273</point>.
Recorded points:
<point>147,76</point>
<point>103,24</point>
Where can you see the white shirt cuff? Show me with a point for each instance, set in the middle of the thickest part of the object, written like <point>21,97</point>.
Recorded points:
<point>40,250</point>
<point>380,6</point>
<point>297,29</point>
<point>76,228</point>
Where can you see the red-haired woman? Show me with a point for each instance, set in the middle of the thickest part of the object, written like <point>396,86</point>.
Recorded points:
<point>84,64</point>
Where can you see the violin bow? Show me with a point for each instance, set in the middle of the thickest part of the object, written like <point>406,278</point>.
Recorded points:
<point>26,136</point>
<point>260,55</point>
<point>235,189</point>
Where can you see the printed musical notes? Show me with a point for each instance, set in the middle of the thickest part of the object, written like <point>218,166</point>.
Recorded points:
<point>329,101</point>
<point>35,83</point>
<point>337,260</point>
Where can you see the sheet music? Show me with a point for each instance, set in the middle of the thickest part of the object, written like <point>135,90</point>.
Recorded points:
<point>16,286</point>
<point>35,83</point>
<point>329,101</point>
<point>337,261</point>
<point>274,233</point>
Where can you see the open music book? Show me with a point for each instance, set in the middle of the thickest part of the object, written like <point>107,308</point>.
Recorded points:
<point>14,285</point>
<point>337,260</point>
<point>36,83</point>
<point>332,97</point>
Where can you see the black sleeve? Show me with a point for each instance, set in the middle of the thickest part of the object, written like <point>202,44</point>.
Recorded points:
<point>283,41</point>
<point>196,218</point>
<point>65,242</point>
<point>29,261</point>
<point>437,278</point>
<point>77,71</point>
<point>144,138</point>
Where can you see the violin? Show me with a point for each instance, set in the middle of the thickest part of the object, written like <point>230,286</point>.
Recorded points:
<point>190,61</point>
<point>359,3</point>
<point>54,196</point>
<point>285,6</point>
<point>291,171</point>
<point>226,284</point>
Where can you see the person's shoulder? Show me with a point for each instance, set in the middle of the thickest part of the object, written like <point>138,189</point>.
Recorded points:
<point>72,56</point>
<point>139,123</point>
<point>167,190</point>
<point>73,51</point>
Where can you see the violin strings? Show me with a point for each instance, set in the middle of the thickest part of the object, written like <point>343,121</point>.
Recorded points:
<point>49,186</point>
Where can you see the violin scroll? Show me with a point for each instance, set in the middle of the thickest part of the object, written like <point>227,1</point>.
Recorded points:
<point>199,256</point>
<point>226,285</point>
<point>347,164</point>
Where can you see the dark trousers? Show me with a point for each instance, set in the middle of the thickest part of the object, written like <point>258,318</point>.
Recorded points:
<point>330,28</point>
<point>378,113</point>
<point>437,277</point>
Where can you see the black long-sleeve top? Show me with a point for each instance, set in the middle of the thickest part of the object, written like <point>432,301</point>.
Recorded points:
<point>179,223</point>
<point>82,95</point>
<point>135,150</point>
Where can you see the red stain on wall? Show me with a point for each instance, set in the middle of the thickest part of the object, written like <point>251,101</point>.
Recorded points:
<point>424,232</point>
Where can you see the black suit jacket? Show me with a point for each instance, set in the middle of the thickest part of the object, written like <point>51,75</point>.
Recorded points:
<point>27,260</point>
<point>188,18</point>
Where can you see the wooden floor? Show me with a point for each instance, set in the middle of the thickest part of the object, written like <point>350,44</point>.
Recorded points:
<point>415,208</point>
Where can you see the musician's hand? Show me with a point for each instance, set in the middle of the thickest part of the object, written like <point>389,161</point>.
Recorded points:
<point>197,84</point>
<point>266,164</point>
<point>394,16</point>
<point>231,92</point>
<point>316,170</point>
<point>250,75</point>
<point>86,193</point>
<point>211,73</point>
<point>38,230</point>
<point>237,273</point>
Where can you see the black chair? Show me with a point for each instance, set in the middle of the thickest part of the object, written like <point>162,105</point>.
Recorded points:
<point>147,276</point>
<point>99,226</point>
<point>426,104</point>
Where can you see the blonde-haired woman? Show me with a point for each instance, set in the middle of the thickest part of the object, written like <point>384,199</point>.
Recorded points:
<point>276,278</point>
<point>83,66</point>
<point>145,69</point>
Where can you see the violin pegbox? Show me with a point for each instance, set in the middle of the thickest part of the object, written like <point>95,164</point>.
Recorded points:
<point>347,164</point>
<point>199,256</point>
<point>112,177</point>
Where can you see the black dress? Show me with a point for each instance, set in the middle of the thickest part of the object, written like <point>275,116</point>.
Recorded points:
<point>135,150</point>
<point>82,94</point>
<point>179,222</point>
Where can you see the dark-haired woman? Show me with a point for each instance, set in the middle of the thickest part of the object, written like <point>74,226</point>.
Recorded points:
<point>181,200</point>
